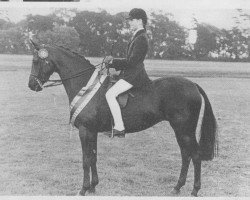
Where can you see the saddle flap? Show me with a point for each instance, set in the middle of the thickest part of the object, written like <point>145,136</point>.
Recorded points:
<point>123,99</point>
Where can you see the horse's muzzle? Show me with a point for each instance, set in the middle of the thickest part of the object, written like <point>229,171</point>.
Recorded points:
<point>35,84</point>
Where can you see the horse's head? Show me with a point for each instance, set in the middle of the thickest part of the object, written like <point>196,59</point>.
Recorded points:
<point>42,66</point>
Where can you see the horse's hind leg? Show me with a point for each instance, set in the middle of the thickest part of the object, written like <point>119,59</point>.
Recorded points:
<point>184,168</point>
<point>197,169</point>
<point>189,149</point>
<point>185,126</point>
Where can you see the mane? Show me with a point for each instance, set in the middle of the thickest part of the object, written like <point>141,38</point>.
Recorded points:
<point>74,53</point>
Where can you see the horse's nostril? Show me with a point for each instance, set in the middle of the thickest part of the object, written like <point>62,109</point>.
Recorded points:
<point>32,83</point>
<point>31,86</point>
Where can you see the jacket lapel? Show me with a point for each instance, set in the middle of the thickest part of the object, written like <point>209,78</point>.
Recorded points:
<point>132,40</point>
<point>138,33</point>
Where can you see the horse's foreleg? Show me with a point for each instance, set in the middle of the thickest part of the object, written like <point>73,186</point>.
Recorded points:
<point>88,156</point>
<point>94,180</point>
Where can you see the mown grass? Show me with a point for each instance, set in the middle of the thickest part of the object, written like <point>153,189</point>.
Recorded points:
<point>39,157</point>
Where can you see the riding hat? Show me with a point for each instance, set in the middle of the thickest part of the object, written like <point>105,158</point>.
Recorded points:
<point>137,13</point>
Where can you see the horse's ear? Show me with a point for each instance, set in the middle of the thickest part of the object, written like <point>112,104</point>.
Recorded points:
<point>36,46</point>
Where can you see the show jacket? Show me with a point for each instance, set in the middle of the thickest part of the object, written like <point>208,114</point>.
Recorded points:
<point>132,67</point>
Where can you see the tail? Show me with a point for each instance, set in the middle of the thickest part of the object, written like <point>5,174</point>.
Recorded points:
<point>209,139</point>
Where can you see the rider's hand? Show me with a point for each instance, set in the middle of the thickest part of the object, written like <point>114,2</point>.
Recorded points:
<point>108,60</point>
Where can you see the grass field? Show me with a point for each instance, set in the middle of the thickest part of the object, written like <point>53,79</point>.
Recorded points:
<point>38,156</point>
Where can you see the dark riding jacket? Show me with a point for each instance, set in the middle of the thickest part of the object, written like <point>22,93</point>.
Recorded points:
<point>132,67</point>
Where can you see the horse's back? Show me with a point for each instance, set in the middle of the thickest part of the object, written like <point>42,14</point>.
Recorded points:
<point>176,87</point>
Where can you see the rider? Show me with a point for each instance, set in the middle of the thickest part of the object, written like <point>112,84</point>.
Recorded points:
<point>133,73</point>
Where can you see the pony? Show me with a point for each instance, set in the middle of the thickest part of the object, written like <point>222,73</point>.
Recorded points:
<point>173,99</point>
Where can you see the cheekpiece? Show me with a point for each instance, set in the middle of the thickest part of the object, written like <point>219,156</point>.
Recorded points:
<point>43,53</point>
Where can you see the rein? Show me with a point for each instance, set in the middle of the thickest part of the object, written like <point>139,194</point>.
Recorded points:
<point>59,81</point>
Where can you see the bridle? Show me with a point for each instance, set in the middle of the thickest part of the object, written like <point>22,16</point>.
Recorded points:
<point>59,81</point>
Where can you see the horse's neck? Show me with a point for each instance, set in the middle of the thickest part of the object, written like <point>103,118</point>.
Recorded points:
<point>74,85</point>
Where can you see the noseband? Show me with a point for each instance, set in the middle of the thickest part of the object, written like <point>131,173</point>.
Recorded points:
<point>37,80</point>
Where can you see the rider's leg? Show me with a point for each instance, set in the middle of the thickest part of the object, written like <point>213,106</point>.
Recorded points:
<point>111,95</point>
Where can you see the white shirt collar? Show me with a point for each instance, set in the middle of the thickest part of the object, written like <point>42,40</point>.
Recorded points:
<point>137,31</point>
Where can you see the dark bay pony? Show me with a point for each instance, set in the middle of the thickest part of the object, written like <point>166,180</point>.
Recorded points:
<point>174,99</point>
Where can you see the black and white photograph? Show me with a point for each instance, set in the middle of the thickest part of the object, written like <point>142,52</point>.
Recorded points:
<point>108,98</point>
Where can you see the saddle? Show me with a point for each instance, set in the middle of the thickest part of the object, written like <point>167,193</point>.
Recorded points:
<point>122,98</point>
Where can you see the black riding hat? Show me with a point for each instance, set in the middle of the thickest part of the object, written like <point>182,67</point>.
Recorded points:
<point>138,13</point>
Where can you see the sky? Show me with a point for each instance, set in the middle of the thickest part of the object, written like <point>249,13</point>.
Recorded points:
<point>215,12</point>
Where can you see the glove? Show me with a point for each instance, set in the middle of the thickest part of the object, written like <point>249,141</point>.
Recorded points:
<point>108,60</point>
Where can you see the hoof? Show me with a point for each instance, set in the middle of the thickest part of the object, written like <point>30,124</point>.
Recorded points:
<point>92,190</point>
<point>175,192</point>
<point>80,193</point>
<point>194,194</point>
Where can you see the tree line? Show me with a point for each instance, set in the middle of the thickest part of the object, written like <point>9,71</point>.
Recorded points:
<point>98,34</point>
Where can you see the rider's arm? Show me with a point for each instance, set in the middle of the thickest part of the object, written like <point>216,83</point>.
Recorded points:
<point>139,51</point>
